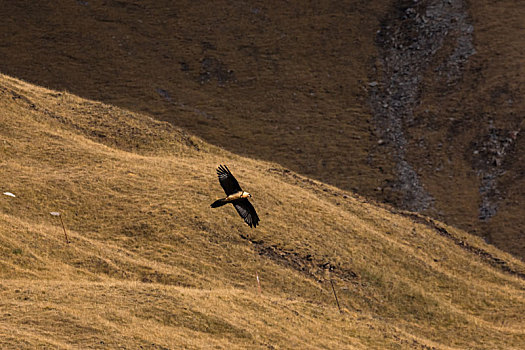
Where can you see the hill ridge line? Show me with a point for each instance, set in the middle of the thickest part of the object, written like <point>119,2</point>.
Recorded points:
<point>420,218</point>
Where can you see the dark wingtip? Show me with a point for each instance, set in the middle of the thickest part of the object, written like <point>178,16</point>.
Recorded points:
<point>222,169</point>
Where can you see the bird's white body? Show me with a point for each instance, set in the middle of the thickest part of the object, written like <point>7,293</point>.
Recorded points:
<point>237,195</point>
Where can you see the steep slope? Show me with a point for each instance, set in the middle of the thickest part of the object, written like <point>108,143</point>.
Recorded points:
<point>297,82</point>
<point>450,86</point>
<point>151,265</point>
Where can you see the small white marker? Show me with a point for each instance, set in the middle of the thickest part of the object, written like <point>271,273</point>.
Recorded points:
<point>9,194</point>
<point>258,283</point>
<point>55,213</point>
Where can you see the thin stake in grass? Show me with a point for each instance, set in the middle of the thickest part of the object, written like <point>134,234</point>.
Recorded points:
<point>335,295</point>
<point>56,213</point>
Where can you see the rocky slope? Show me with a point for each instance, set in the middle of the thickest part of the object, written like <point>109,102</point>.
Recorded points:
<point>442,103</point>
<point>409,42</point>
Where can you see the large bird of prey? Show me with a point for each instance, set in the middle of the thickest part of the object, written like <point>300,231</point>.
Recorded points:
<point>236,196</point>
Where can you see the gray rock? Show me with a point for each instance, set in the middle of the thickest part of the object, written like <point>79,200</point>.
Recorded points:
<point>405,56</point>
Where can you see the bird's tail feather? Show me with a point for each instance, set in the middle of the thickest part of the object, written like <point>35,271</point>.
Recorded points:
<point>218,203</point>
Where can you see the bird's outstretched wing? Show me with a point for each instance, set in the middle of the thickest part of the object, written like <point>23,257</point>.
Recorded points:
<point>228,182</point>
<point>246,211</point>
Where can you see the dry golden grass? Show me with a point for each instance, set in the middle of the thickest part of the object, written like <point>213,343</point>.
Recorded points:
<point>151,265</point>
<point>291,79</point>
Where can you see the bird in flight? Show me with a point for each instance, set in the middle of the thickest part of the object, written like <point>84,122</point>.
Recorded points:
<point>236,196</point>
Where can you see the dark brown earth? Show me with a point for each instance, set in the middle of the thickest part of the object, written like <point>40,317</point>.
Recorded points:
<point>304,85</point>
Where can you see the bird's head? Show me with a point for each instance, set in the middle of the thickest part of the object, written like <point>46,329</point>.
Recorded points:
<point>245,195</point>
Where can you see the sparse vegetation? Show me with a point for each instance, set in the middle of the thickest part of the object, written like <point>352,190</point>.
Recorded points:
<point>152,266</point>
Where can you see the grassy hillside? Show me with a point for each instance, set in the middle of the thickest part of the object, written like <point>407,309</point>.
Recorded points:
<point>291,82</point>
<point>151,265</point>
